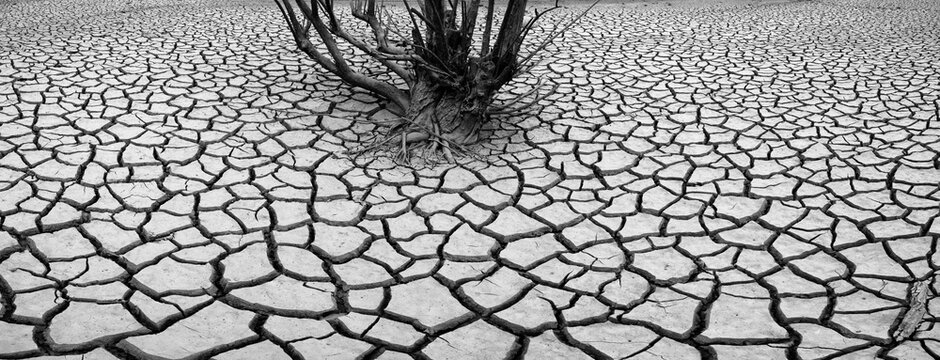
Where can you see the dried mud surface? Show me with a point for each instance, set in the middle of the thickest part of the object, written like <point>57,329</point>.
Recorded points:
<point>730,181</point>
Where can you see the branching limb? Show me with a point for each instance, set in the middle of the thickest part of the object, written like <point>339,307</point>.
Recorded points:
<point>365,10</point>
<point>531,23</point>
<point>338,65</point>
<point>555,33</point>
<point>300,36</point>
<point>387,59</point>
<point>487,29</point>
<point>451,86</point>
<point>507,45</point>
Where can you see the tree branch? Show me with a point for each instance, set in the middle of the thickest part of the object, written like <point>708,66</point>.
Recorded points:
<point>507,46</point>
<point>488,29</point>
<point>469,23</point>
<point>341,68</point>
<point>365,10</point>
<point>300,37</point>
<point>555,33</point>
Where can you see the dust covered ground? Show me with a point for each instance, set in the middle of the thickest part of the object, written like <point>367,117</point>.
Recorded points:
<point>721,180</point>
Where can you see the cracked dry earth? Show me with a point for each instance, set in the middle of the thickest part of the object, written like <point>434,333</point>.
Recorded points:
<point>730,181</point>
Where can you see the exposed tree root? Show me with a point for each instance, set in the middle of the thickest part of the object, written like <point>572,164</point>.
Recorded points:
<point>450,82</point>
<point>416,137</point>
<point>411,138</point>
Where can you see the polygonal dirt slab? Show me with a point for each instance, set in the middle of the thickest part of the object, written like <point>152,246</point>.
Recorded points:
<point>734,180</point>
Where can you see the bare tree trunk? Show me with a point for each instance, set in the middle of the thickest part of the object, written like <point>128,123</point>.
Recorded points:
<point>454,115</point>
<point>450,87</point>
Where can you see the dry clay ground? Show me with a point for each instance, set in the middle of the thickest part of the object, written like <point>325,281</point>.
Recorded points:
<point>730,181</point>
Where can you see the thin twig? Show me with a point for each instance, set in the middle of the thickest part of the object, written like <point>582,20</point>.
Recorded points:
<point>556,33</point>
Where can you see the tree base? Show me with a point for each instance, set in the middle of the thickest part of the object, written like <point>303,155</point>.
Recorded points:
<point>438,125</point>
<point>445,114</point>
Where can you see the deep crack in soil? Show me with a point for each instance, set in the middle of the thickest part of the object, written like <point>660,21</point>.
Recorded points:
<point>720,181</point>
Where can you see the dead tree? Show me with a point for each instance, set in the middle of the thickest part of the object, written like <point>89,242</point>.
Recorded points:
<point>450,83</point>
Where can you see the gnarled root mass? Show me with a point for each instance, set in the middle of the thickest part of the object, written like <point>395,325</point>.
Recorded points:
<point>436,121</point>
<point>451,82</point>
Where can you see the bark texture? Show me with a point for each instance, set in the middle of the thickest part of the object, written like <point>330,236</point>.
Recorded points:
<point>451,82</point>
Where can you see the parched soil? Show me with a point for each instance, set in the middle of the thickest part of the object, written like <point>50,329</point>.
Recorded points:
<point>727,180</point>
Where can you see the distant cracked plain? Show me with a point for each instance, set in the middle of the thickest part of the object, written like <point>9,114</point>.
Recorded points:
<point>730,181</point>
